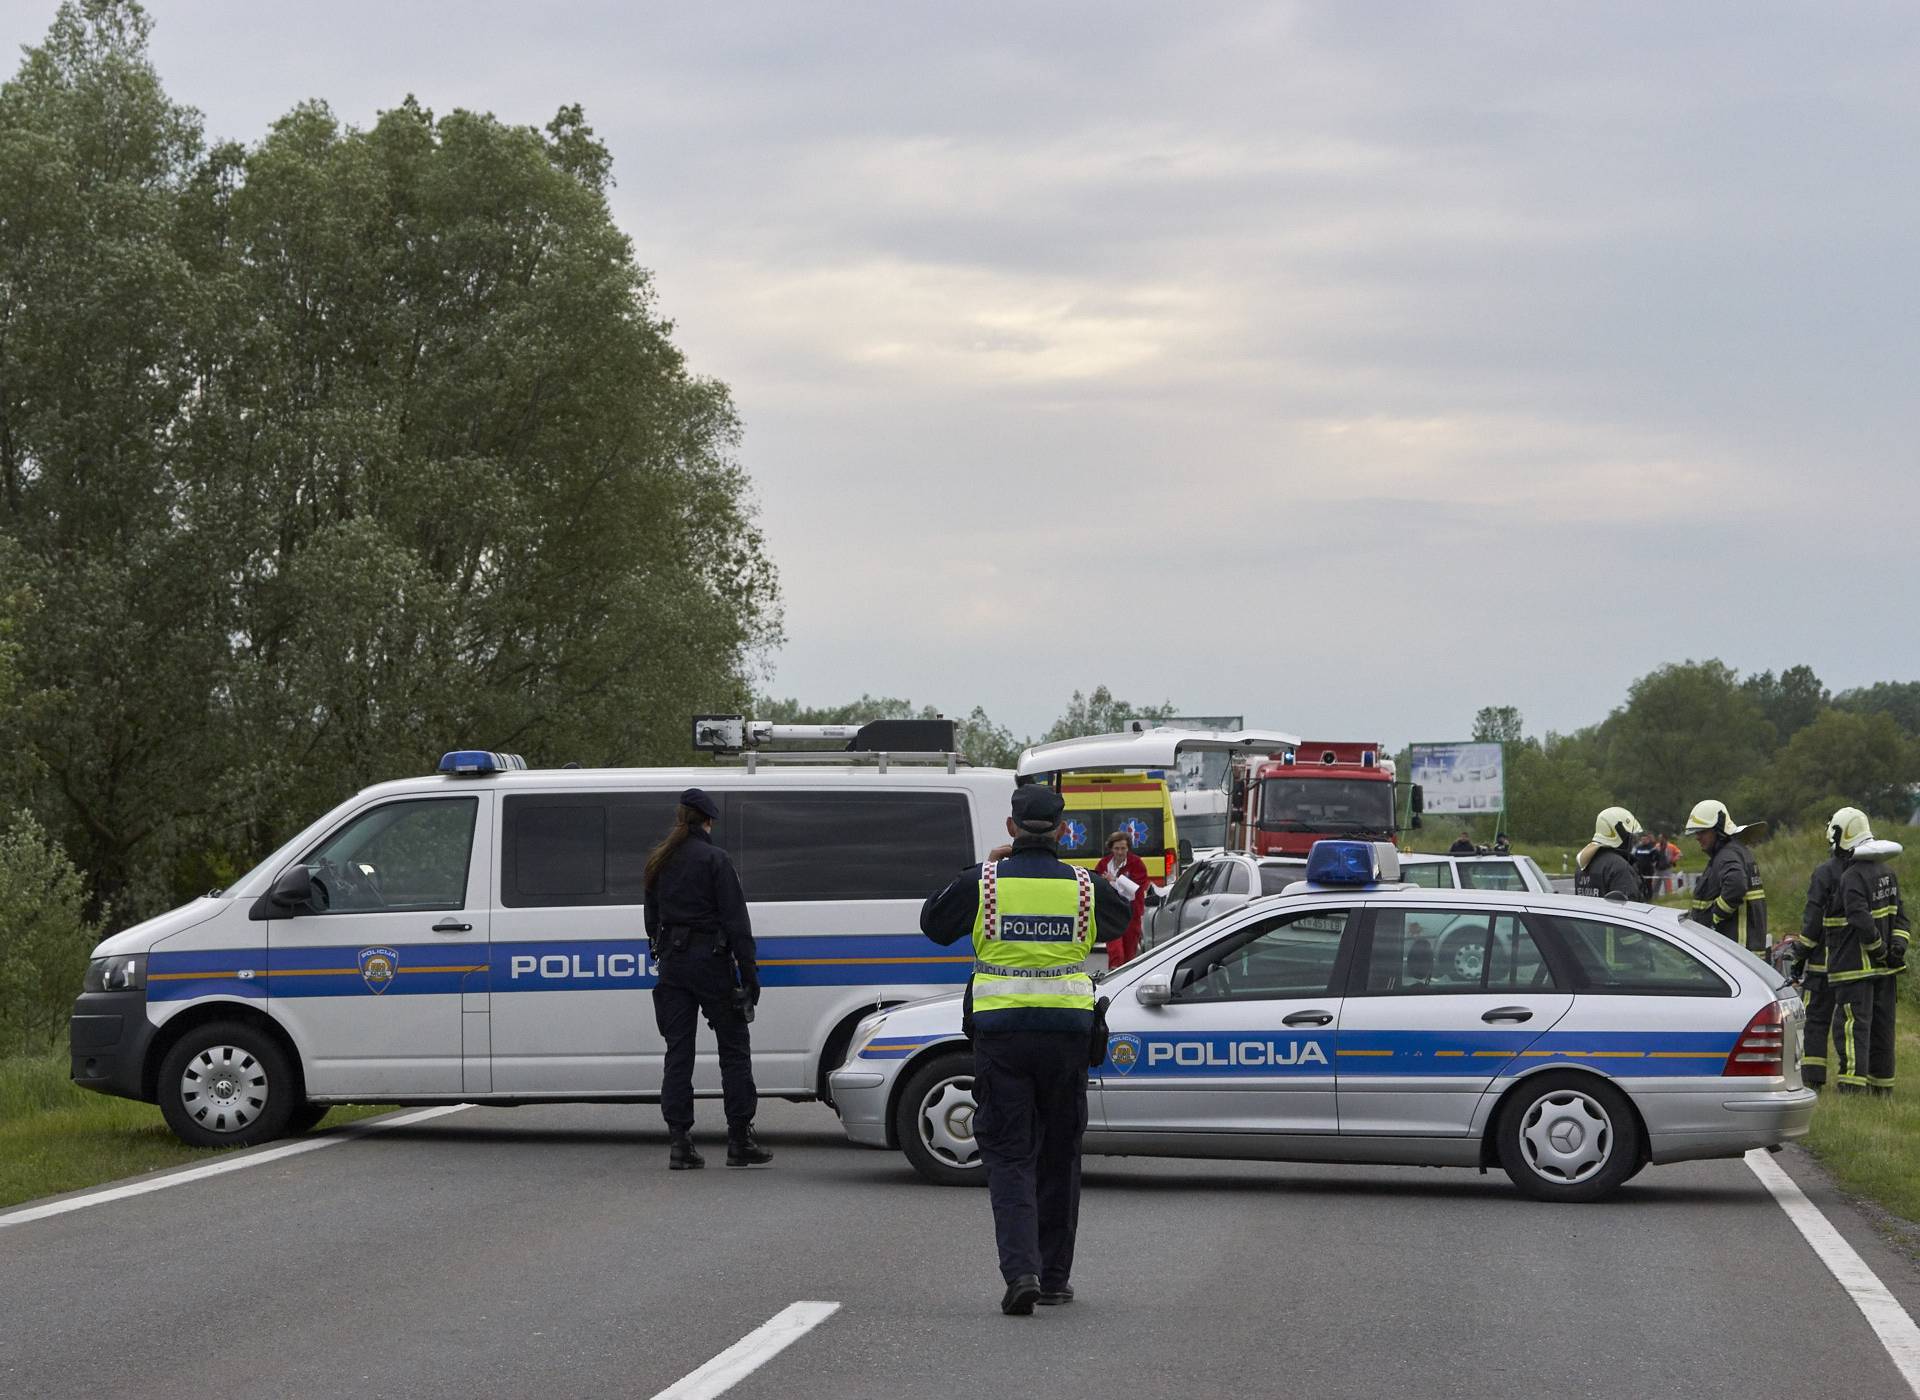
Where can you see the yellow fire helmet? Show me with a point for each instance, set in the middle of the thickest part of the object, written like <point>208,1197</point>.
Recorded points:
<point>1714,816</point>
<point>1614,826</point>
<point>1848,829</point>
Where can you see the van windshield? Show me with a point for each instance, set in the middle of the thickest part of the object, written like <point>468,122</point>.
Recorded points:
<point>1347,805</point>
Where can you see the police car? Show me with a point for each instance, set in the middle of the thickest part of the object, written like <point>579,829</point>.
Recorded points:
<point>475,935</point>
<point>1585,1040</point>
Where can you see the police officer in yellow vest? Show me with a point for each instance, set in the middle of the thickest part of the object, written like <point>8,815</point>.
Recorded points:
<point>1033,919</point>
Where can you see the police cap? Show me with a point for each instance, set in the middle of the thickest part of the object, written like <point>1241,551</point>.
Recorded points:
<point>701,803</point>
<point>1037,807</point>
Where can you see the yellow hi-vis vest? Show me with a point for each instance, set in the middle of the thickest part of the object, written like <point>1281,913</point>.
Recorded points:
<point>1030,944</point>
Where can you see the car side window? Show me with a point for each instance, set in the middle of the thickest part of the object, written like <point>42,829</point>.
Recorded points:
<point>1422,952</point>
<point>1274,879</point>
<point>1237,881</point>
<point>1491,875</point>
<point>1428,874</point>
<point>398,856</point>
<point>1290,956</point>
<point>1205,877</point>
<point>1620,959</point>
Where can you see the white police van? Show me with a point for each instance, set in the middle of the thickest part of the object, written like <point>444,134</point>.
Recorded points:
<point>1584,1040</point>
<point>476,936</point>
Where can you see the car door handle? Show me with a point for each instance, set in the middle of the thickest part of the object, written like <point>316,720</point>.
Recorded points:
<point>449,926</point>
<point>1508,1013</point>
<point>1308,1018</point>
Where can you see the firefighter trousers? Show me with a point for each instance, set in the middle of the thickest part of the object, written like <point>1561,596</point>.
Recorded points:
<point>1852,1031</point>
<point>1886,995</point>
<point>1819,1038</point>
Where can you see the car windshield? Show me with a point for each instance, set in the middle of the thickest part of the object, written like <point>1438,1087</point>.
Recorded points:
<point>1326,804</point>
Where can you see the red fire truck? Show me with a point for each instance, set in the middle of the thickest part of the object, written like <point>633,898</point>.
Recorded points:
<point>1282,804</point>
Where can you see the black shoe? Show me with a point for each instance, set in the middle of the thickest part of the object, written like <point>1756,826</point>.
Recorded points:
<point>1054,1297</point>
<point>681,1154</point>
<point>1020,1296</point>
<point>744,1151</point>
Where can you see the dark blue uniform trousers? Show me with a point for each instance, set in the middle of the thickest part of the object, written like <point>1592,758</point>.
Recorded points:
<point>692,982</point>
<point>1031,1091</point>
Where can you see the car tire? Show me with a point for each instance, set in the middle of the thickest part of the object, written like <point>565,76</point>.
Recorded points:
<point>934,1121</point>
<point>1568,1137</point>
<point>305,1118</point>
<point>227,1084</point>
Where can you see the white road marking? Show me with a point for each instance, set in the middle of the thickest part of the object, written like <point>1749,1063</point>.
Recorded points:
<point>1890,1322</point>
<point>750,1353</point>
<point>27,1214</point>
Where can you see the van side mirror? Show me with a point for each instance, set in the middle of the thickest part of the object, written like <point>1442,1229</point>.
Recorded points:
<point>1419,800</point>
<point>293,890</point>
<point>1153,994</point>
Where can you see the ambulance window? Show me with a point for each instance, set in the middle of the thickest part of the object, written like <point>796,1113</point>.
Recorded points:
<point>849,845</point>
<point>402,855</point>
<point>1292,956</point>
<point>1140,825</point>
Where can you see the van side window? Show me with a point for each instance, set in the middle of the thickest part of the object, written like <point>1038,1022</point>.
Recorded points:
<point>847,845</point>
<point>398,856</point>
<point>562,849</point>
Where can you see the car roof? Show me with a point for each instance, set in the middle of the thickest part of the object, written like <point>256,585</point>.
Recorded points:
<point>721,777</point>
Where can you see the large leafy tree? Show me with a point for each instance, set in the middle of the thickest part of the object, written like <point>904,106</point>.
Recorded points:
<point>1687,732</point>
<point>336,451</point>
<point>1790,701</point>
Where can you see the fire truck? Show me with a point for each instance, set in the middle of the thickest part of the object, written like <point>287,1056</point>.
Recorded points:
<point>1280,804</point>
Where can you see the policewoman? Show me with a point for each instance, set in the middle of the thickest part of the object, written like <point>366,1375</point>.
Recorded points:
<point>1030,1013</point>
<point>702,943</point>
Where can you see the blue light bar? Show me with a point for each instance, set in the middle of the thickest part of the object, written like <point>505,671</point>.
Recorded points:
<point>475,763</point>
<point>1341,863</point>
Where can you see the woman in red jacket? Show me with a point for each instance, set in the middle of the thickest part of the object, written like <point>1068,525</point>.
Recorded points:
<point>1119,862</point>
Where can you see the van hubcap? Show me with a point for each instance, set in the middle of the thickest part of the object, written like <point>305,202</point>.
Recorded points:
<point>1567,1137</point>
<point>946,1123</point>
<point>224,1089</point>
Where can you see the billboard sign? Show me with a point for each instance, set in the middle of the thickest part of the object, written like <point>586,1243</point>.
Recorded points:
<point>1468,779</point>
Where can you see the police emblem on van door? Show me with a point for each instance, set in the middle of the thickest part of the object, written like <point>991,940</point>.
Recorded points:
<point>377,966</point>
<point>1124,1052</point>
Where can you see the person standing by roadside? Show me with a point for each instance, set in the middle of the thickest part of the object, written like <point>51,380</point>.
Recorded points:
<point>1868,953</point>
<point>699,934</point>
<point>1605,871</point>
<point>1120,863</point>
<point>1728,897</point>
<point>1809,966</point>
<point>1030,1015</point>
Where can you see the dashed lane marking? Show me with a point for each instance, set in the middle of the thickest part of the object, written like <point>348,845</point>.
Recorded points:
<point>750,1353</point>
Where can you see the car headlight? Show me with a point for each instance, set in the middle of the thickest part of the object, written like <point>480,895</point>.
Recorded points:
<point>125,972</point>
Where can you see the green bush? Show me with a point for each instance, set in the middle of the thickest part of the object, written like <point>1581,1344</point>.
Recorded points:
<point>45,935</point>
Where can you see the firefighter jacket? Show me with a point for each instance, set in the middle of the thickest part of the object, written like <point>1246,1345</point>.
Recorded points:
<point>1729,898</point>
<point>1821,918</point>
<point>1609,875</point>
<point>1874,929</point>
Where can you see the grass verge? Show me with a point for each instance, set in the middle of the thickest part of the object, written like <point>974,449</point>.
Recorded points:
<point>54,1137</point>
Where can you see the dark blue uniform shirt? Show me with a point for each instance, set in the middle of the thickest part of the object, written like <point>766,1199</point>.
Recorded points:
<point>699,889</point>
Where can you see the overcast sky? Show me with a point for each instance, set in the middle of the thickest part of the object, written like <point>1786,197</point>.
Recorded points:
<point>1346,366</point>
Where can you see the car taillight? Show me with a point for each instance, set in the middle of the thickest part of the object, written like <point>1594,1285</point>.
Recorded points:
<point>1173,865</point>
<point>1761,1048</point>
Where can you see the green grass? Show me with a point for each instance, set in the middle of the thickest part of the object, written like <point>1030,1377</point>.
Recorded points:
<point>54,1137</point>
<point>1870,1145</point>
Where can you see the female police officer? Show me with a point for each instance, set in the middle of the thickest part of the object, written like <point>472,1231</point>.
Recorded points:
<point>696,918</point>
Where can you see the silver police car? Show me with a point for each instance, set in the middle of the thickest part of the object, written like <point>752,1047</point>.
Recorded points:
<point>1339,1022</point>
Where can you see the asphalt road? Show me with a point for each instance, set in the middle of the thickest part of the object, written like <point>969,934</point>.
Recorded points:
<point>547,1252</point>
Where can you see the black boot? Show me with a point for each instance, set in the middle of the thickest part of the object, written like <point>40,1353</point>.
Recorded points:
<point>1020,1296</point>
<point>742,1150</point>
<point>681,1154</point>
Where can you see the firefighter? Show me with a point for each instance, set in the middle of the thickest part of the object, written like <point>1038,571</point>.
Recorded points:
<point>1873,922</point>
<point>1809,966</point>
<point>1728,897</point>
<point>1605,870</point>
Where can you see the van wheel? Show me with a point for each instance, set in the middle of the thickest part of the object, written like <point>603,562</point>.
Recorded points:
<point>305,1118</point>
<point>1568,1137</point>
<point>226,1084</point>
<point>934,1120</point>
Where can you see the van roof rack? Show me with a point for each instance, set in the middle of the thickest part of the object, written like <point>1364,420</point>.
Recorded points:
<point>876,742</point>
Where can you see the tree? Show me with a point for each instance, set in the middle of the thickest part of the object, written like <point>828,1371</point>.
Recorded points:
<point>1498,724</point>
<point>1102,713</point>
<point>1840,759</point>
<point>1687,732</point>
<point>1789,702</point>
<point>45,935</point>
<point>331,453</point>
<point>1553,794</point>
<point>1899,699</point>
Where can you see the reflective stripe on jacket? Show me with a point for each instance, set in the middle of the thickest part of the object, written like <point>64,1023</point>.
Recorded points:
<point>1867,944</point>
<point>1031,938</point>
<point>1820,918</point>
<point>1729,898</point>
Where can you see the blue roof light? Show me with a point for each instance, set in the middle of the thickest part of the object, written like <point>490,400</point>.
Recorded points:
<point>475,763</point>
<point>1341,863</point>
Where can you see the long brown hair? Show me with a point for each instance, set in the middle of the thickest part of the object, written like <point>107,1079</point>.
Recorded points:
<point>686,820</point>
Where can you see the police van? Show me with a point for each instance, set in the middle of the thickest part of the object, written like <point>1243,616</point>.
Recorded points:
<point>476,935</point>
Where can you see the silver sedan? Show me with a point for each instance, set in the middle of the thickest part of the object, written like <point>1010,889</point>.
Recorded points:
<point>1570,1041</point>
